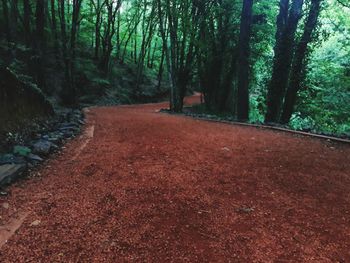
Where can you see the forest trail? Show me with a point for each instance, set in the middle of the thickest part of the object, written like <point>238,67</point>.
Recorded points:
<point>140,186</point>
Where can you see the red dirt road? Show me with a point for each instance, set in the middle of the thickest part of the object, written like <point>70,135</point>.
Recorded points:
<point>140,186</point>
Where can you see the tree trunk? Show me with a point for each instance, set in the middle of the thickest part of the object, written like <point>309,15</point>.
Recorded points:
<point>299,61</point>
<point>26,22</point>
<point>164,36</point>
<point>135,46</point>
<point>74,28</point>
<point>14,17</point>
<point>151,63</point>
<point>54,27</point>
<point>97,29</point>
<point>118,36</point>
<point>282,60</point>
<point>40,43</point>
<point>243,61</point>
<point>67,86</point>
<point>160,70</point>
<point>5,11</point>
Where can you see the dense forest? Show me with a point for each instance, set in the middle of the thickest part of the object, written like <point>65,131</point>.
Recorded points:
<point>285,61</point>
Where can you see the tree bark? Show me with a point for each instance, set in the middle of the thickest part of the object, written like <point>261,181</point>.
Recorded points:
<point>299,62</point>
<point>67,87</point>
<point>40,43</point>
<point>54,27</point>
<point>5,11</point>
<point>14,17</point>
<point>243,61</point>
<point>26,22</point>
<point>282,60</point>
<point>160,70</point>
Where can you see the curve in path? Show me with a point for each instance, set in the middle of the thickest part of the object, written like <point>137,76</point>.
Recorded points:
<point>139,186</point>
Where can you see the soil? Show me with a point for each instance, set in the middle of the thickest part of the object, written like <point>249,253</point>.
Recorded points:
<point>140,186</point>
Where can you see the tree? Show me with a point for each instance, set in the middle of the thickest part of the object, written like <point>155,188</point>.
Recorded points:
<point>98,6</point>
<point>26,21</point>
<point>54,27</point>
<point>222,48</point>
<point>243,61</point>
<point>6,20</point>
<point>285,40</point>
<point>112,7</point>
<point>217,54</point>
<point>180,52</point>
<point>40,43</point>
<point>298,66</point>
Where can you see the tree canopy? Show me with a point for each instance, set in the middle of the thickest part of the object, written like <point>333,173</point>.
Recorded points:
<point>285,61</point>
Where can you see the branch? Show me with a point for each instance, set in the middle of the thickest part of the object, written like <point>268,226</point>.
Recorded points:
<point>343,3</point>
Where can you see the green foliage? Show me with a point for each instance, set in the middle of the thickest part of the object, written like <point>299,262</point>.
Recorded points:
<point>256,113</point>
<point>21,150</point>
<point>297,122</point>
<point>323,103</point>
<point>325,98</point>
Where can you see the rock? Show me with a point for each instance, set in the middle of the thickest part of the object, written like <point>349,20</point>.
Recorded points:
<point>245,209</point>
<point>10,172</point>
<point>56,137</point>
<point>11,159</point>
<point>42,147</point>
<point>69,127</point>
<point>68,134</point>
<point>34,158</point>
<point>35,223</point>
<point>4,193</point>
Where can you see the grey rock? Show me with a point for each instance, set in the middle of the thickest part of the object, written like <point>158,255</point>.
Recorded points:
<point>71,127</point>
<point>11,159</point>
<point>10,172</point>
<point>55,139</point>
<point>4,193</point>
<point>34,158</point>
<point>68,134</point>
<point>42,147</point>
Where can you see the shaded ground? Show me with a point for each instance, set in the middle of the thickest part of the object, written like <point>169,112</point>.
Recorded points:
<point>139,186</point>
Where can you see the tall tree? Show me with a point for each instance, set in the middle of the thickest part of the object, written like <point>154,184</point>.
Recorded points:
<point>298,66</point>
<point>109,32</point>
<point>40,43</point>
<point>98,6</point>
<point>285,41</point>
<point>54,26</point>
<point>14,16</point>
<point>243,61</point>
<point>74,27</point>
<point>26,21</point>
<point>183,27</point>
<point>148,29</point>
<point>5,11</point>
<point>217,53</point>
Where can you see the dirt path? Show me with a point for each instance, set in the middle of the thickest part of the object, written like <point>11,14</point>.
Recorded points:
<point>140,186</point>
